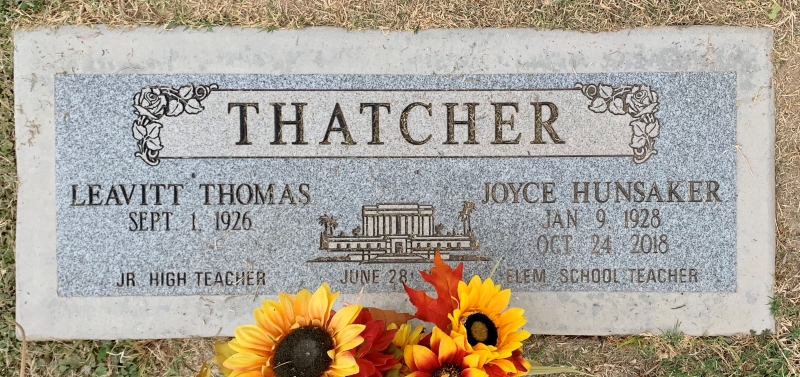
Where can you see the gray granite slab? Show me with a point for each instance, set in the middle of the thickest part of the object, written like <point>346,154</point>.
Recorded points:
<point>632,190</point>
<point>615,218</point>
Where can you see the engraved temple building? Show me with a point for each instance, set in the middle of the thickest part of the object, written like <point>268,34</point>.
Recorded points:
<point>398,233</point>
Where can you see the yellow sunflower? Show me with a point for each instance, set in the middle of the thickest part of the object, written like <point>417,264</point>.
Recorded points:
<point>405,336</point>
<point>297,336</point>
<point>482,317</point>
<point>224,351</point>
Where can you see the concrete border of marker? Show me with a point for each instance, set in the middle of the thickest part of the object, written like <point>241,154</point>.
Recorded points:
<point>81,50</point>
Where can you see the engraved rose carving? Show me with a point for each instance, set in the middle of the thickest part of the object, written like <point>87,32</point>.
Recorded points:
<point>603,99</point>
<point>154,102</point>
<point>184,102</point>
<point>641,100</point>
<point>644,128</point>
<point>148,133</point>
<point>150,102</point>
<point>638,101</point>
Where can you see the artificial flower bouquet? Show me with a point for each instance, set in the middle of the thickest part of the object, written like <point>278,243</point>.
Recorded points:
<point>474,334</point>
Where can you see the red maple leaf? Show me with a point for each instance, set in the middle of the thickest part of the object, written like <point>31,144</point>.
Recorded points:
<point>444,280</point>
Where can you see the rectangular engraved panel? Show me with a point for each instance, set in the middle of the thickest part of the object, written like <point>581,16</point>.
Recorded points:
<point>404,123</point>
<point>230,184</point>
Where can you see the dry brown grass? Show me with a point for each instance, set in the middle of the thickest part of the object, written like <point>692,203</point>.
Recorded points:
<point>412,14</point>
<point>644,355</point>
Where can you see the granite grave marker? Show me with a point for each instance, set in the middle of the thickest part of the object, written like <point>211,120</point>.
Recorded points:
<point>618,182</point>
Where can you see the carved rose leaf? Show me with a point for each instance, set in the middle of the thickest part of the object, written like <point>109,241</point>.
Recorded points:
<point>153,138</point>
<point>153,130</point>
<point>193,106</point>
<point>599,105</point>
<point>186,92</point>
<point>605,91</point>
<point>643,129</point>
<point>154,144</point>
<point>143,112</point>
<point>638,127</point>
<point>639,137</point>
<point>174,108</point>
<point>139,131</point>
<point>653,129</point>
<point>638,141</point>
<point>649,109</point>
<point>616,106</point>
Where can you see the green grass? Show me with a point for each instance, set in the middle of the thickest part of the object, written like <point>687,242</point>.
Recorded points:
<point>673,336</point>
<point>9,346</point>
<point>764,357</point>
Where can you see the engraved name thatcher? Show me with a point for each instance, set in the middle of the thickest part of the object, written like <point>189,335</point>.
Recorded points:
<point>519,121</point>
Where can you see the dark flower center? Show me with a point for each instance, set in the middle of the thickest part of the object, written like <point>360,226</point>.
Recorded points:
<point>481,329</point>
<point>303,353</point>
<point>447,370</point>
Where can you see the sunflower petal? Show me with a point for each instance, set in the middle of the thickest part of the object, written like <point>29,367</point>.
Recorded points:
<point>447,351</point>
<point>499,301</point>
<point>353,343</point>
<point>287,304</point>
<point>252,336</point>
<point>487,291</point>
<point>512,319</point>
<point>320,305</point>
<point>348,337</point>
<point>246,373</point>
<point>516,337</point>
<point>504,364</point>
<point>344,364</point>
<point>262,320</point>
<point>344,317</point>
<point>475,360</point>
<point>301,303</point>
<point>240,348</point>
<point>473,372</point>
<point>436,338</point>
<point>421,358</point>
<point>223,352</point>
<point>275,321</point>
<point>245,362</point>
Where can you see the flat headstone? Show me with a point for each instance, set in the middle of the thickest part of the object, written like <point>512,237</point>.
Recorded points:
<point>616,182</point>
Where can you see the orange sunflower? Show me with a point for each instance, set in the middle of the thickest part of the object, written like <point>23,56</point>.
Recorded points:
<point>297,336</point>
<point>446,357</point>
<point>483,318</point>
<point>404,337</point>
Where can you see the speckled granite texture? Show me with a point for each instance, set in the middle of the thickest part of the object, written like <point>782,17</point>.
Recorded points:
<point>96,245</point>
<point>76,125</point>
